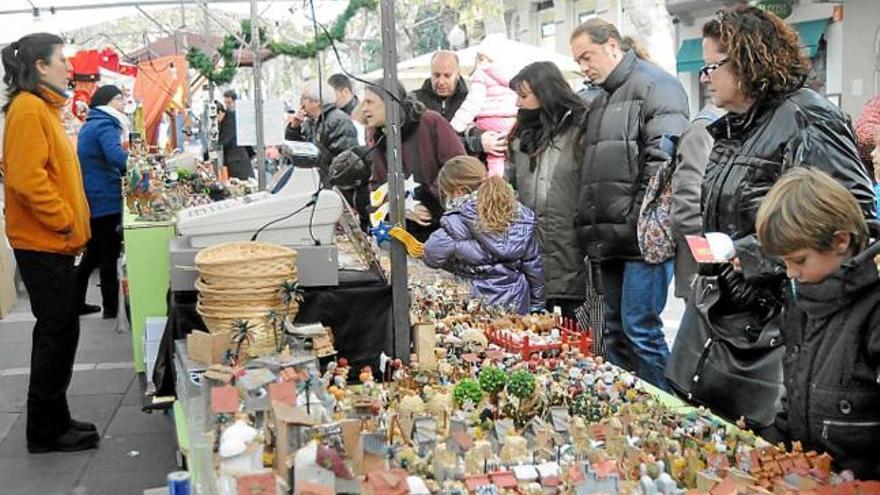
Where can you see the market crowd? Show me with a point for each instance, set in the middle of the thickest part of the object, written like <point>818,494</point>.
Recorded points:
<point>541,195</point>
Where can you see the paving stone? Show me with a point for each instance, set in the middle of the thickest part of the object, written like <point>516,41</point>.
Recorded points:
<point>99,382</point>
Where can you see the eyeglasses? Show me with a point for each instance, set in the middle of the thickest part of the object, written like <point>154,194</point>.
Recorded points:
<point>707,70</point>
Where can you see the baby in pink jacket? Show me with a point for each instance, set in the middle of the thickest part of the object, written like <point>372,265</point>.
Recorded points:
<point>490,105</point>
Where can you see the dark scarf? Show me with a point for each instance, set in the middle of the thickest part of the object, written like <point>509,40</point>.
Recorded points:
<point>528,123</point>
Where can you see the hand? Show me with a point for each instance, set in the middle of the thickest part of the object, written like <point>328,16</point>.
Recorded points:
<point>295,120</point>
<point>493,142</point>
<point>420,215</point>
<point>737,267</point>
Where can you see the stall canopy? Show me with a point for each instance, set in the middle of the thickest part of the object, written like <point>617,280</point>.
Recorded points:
<point>690,55</point>
<point>161,84</point>
<point>513,54</point>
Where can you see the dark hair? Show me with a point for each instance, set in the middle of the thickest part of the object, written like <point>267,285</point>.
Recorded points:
<point>556,97</point>
<point>20,61</point>
<point>764,51</point>
<point>339,81</point>
<point>600,31</point>
<point>231,94</point>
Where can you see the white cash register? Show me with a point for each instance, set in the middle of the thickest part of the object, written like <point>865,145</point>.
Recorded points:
<point>239,218</point>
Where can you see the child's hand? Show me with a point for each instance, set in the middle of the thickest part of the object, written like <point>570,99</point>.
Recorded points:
<point>420,215</point>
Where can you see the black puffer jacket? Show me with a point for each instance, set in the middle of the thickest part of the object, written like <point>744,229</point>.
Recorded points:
<point>832,366</point>
<point>447,107</point>
<point>753,149</point>
<point>333,132</point>
<point>624,126</point>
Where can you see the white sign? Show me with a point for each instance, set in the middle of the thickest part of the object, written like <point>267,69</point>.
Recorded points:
<point>246,122</point>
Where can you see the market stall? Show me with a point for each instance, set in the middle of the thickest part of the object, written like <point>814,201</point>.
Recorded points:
<point>490,403</point>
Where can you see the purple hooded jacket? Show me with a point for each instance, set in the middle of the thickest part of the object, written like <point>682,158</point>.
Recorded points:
<point>504,269</point>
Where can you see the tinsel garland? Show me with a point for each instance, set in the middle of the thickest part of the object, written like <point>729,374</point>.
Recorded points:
<point>205,65</point>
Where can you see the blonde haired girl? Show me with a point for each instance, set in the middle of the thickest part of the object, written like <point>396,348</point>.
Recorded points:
<point>488,237</point>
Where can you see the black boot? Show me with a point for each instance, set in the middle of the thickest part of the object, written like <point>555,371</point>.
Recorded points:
<point>70,441</point>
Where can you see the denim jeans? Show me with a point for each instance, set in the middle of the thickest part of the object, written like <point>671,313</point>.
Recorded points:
<point>635,295</point>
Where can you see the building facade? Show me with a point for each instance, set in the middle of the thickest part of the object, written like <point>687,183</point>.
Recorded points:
<point>842,38</point>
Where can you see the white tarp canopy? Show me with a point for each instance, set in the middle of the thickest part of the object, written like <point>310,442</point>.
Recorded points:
<point>512,54</point>
<point>93,12</point>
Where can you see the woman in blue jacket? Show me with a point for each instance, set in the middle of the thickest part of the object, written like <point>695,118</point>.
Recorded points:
<point>103,160</point>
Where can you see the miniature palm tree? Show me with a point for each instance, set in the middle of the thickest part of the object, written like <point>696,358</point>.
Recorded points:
<point>241,333</point>
<point>275,321</point>
<point>291,293</point>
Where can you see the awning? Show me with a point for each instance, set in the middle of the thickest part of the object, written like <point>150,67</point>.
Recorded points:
<point>810,33</point>
<point>690,55</point>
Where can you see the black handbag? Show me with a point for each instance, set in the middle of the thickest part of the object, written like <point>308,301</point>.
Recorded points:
<point>728,360</point>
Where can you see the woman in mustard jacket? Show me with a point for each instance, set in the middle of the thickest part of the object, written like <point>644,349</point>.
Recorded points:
<point>47,222</point>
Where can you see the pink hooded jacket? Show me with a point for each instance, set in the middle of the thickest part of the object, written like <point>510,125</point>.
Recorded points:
<point>488,97</point>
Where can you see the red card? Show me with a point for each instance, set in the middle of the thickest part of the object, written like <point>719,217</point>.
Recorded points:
<point>282,392</point>
<point>699,247</point>
<point>224,399</point>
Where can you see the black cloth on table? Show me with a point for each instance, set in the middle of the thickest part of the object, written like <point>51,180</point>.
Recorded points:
<point>358,310</point>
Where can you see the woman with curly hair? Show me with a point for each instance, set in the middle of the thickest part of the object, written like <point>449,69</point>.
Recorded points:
<point>755,70</point>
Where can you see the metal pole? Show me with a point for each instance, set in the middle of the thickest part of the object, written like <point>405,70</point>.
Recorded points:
<point>258,96</point>
<point>399,287</point>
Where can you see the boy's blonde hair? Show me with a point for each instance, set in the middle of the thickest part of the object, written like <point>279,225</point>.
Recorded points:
<point>804,209</point>
<point>496,202</point>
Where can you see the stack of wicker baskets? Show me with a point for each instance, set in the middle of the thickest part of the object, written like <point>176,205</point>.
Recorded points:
<point>243,281</point>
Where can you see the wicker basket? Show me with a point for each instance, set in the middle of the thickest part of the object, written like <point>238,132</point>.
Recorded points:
<point>239,283</point>
<point>246,259</point>
<point>215,291</point>
<point>221,321</point>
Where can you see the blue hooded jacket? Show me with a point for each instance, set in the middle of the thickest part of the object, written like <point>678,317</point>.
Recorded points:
<point>504,269</point>
<point>103,160</point>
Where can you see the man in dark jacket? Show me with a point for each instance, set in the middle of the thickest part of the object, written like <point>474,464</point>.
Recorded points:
<point>321,123</point>
<point>624,128</point>
<point>235,157</point>
<point>346,100</point>
<point>445,91</point>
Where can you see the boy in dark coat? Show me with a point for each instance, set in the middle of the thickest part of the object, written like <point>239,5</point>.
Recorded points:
<point>832,320</point>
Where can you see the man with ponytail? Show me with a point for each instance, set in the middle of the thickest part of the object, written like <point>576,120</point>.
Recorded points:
<point>487,237</point>
<point>641,105</point>
<point>47,222</point>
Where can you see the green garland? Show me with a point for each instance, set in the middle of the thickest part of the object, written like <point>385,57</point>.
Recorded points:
<point>205,65</point>
<point>322,42</point>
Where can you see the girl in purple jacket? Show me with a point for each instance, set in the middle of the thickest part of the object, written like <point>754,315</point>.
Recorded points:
<point>488,237</point>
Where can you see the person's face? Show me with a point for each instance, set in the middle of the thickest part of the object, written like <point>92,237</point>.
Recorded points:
<point>117,103</point>
<point>809,266</point>
<point>310,106</point>
<point>526,98</point>
<point>373,110</point>
<point>719,78</point>
<point>444,75</point>
<point>596,60</point>
<point>54,71</point>
<point>228,102</point>
<point>343,96</point>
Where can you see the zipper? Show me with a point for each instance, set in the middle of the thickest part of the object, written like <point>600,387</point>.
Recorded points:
<point>858,424</point>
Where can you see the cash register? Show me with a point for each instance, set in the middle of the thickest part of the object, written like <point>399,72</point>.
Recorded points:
<point>296,213</point>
